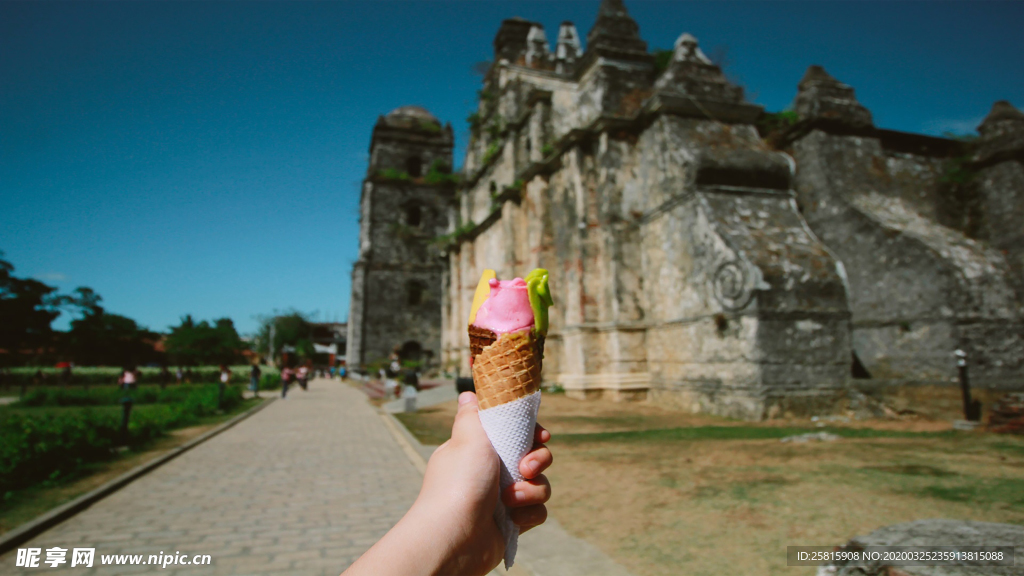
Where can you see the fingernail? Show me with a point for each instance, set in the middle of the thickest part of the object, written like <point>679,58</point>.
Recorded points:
<point>465,398</point>
<point>520,496</point>
<point>533,465</point>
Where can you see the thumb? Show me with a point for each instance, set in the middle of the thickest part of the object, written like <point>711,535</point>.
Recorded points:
<point>467,425</point>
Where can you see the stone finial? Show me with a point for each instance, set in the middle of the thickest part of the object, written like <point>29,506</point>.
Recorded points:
<point>537,49</point>
<point>568,48</point>
<point>568,42</point>
<point>693,74</point>
<point>615,29</point>
<point>687,49</point>
<point>1002,131</point>
<point>820,96</point>
<point>511,40</point>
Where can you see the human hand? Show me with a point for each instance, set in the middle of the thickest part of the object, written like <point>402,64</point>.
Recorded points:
<point>450,529</point>
<point>461,487</point>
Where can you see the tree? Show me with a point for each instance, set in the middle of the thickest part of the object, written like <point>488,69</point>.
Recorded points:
<point>292,329</point>
<point>99,338</point>
<point>202,343</point>
<point>27,308</point>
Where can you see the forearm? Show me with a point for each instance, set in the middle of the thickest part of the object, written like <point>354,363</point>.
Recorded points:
<point>410,548</point>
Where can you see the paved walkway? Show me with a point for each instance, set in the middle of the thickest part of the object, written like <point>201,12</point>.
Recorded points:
<point>303,487</point>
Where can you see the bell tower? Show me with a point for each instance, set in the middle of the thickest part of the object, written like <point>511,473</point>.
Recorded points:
<point>396,281</point>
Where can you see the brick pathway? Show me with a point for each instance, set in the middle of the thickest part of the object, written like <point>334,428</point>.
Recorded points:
<point>303,487</point>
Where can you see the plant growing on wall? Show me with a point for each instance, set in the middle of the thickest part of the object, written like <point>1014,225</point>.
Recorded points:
<point>961,204</point>
<point>662,58</point>
<point>446,241</point>
<point>430,126</point>
<point>393,174</point>
<point>440,173</point>
<point>474,122</point>
<point>403,231</point>
<point>496,127</point>
<point>775,122</point>
<point>491,152</point>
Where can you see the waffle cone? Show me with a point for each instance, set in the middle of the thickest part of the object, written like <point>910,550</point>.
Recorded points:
<point>479,338</point>
<point>509,369</point>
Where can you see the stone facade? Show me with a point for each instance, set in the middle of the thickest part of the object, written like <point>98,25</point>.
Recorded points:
<point>396,282</point>
<point>702,260</point>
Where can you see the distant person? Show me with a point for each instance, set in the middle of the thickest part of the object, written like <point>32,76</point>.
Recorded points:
<point>225,375</point>
<point>179,376</point>
<point>39,378</point>
<point>129,376</point>
<point>303,376</point>
<point>165,377</point>
<point>343,372</point>
<point>254,380</point>
<point>286,380</point>
<point>392,387</point>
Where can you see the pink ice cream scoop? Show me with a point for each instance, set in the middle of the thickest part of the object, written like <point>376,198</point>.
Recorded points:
<point>507,309</point>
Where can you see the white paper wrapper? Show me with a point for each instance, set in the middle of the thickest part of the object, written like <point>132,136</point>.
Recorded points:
<point>510,429</point>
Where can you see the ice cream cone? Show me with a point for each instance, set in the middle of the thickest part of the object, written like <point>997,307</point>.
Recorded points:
<point>508,370</point>
<point>479,338</point>
<point>507,324</point>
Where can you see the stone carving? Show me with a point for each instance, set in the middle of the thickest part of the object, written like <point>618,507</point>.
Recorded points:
<point>733,287</point>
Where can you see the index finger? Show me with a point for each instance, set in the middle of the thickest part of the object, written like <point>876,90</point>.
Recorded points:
<point>541,434</point>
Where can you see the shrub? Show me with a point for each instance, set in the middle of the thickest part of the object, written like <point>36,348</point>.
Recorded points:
<point>49,445</point>
<point>108,375</point>
<point>106,396</point>
<point>270,382</point>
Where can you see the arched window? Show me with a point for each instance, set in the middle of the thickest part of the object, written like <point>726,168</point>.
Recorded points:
<point>414,166</point>
<point>413,215</point>
<point>414,290</point>
<point>411,351</point>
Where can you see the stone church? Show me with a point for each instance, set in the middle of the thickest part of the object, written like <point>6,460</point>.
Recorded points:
<point>703,253</point>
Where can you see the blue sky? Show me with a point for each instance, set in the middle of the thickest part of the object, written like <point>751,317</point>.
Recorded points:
<point>205,158</point>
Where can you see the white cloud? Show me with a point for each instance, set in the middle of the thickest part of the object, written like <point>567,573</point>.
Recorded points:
<point>954,125</point>
<point>51,277</point>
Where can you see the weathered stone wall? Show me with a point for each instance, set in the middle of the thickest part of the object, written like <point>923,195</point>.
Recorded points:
<point>918,290</point>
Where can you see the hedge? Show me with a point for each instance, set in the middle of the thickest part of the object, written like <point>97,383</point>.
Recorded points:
<point>48,445</point>
<point>108,375</point>
<point>106,396</point>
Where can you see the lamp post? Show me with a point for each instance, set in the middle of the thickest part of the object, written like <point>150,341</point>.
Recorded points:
<point>972,408</point>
